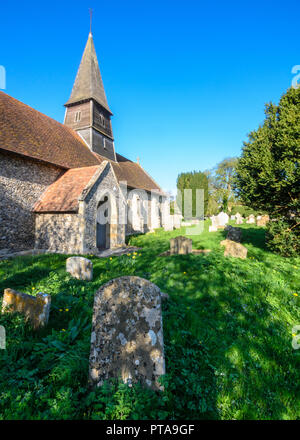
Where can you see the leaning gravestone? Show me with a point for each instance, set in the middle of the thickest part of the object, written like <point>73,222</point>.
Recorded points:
<point>127,333</point>
<point>180,245</point>
<point>35,308</point>
<point>80,268</point>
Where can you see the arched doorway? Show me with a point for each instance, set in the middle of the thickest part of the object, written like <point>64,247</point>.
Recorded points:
<point>103,224</point>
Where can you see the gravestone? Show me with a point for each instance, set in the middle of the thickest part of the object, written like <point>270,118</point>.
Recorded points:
<point>177,221</point>
<point>127,333</point>
<point>239,220</point>
<point>180,245</point>
<point>80,268</point>
<point>222,219</point>
<point>35,308</point>
<point>232,217</point>
<point>214,224</point>
<point>233,249</point>
<point>251,219</point>
<point>234,234</point>
<point>169,223</point>
<point>263,220</point>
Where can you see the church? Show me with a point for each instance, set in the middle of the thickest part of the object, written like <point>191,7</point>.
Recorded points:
<point>63,187</point>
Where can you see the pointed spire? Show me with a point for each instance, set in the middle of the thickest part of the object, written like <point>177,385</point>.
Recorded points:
<point>88,83</point>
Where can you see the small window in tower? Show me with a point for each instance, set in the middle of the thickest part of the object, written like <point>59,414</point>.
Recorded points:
<point>77,116</point>
<point>102,120</point>
<point>104,144</point>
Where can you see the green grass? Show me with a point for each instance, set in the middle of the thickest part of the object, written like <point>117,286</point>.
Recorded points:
<point>227,329</point>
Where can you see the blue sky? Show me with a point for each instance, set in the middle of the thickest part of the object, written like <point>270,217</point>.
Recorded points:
<point>186,80</point>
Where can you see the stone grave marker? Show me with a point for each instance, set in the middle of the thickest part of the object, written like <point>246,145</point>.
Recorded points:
<point>251,219</point>
<point>127,333</point>
<point>234,249</point>
<point>239,220</point>
<point>180,245</point>
<point>35,308</point>
<point>234,234</point>
<point>80,268</point>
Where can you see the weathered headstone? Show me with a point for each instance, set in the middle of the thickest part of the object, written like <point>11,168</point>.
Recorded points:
<point>239,219</point>
<point>234,249</point>
<point>263,220</point>
<point>234,234</point>
<point>251,219</point>
<point>34,308</point>
<point>127,333</point>
<point>80,268</point>
<point>180,245</point>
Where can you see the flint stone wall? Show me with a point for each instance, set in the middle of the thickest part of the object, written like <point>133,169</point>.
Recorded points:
<point>77,232</point>
<point>22,182</point>
<point>127,333</point>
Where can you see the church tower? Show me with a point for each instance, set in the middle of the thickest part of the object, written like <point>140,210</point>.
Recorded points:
<point>87,110</point>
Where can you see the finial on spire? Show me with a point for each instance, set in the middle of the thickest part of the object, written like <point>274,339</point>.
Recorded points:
<point>138,160</point>
<point>91,18</point>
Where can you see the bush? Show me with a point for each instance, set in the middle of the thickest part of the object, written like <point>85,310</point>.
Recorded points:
<point>283,237</point>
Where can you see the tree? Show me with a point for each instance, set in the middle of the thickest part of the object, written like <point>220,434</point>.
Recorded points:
<point>222,182</point>
<point>192,180</point>
<point>268,171</point>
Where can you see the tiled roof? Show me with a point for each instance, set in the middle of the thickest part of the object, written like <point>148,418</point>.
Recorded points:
<point>63,194</point>
<point>30,133</point>
<point>132,173</point>
<point>26,131</point>
<point>88,83</point>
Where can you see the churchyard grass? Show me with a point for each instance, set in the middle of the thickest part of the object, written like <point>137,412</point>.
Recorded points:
<point>227,329</point>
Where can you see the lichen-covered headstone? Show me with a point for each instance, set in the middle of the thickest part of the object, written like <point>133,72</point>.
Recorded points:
<point>127,333</point>
<point>180,245</point>
<point>80,268</point>
<point>35,308</point>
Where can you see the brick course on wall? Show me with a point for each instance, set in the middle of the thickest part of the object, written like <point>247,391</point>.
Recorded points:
<point>22,181</point>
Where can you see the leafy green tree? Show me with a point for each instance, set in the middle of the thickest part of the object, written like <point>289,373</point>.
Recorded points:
<point>192,180</point>
<point>223,182</point>
<point>268,171</point>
